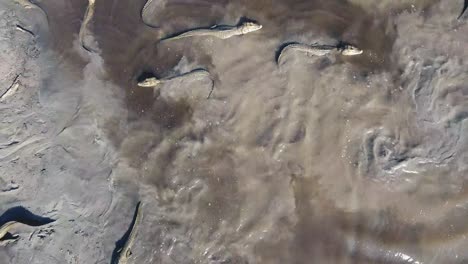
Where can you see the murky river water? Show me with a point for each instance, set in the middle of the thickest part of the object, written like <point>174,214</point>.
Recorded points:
<point>318,160</point>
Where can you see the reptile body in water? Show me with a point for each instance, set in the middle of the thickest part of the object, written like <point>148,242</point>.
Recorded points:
<point>84,25</point>
<point>152,82</point>
<point>320,50</point>
<point>126,251</point>
<point>5,228</point>
<point>221,32</point>
<point>142,14</point>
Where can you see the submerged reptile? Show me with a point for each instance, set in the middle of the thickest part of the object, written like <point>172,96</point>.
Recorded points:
<point>321,50</point>
<point>126,251</point>
<point>84,26</point>
<point>196,74</point>
<point>222,32</point>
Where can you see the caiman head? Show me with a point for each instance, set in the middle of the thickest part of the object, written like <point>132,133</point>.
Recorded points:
<point>149,82</point>
<point>350,50</point>
<point>248,27</point>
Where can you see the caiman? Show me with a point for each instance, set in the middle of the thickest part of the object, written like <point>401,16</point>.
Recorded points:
<point>84,25</point>
<point>142,14</point>
<point>321,50</point>
<point>222,32</point>
<point>126,251</point>
<point>152,82</point>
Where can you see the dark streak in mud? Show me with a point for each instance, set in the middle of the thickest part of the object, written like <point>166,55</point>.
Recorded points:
<point>465,6</point>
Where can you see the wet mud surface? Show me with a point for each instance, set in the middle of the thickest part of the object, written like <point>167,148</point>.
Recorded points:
<point>332,159</point>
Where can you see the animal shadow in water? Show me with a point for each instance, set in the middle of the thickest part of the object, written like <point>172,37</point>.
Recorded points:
<point>465,6</point>
<point>24,216</point>
<point>121,242</point>
<point>9,236</point>
<point>145,75</point>
<point>244,19</point>
<point>342,44</point>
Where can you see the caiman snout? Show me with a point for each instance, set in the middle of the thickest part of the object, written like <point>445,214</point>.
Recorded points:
<point>350,50</point>
<point>149,82</point>
<point>250,27</point>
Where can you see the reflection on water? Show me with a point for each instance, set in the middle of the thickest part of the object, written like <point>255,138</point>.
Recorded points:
<point>324,160</point>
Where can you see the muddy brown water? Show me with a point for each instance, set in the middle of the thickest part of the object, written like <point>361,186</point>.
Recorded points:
<point>320,160</point>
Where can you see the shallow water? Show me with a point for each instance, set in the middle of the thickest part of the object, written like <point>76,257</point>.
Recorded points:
<point>317,160</point>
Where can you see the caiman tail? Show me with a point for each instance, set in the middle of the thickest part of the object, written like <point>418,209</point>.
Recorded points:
<point>316,50</point>
<point>192,33</point>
